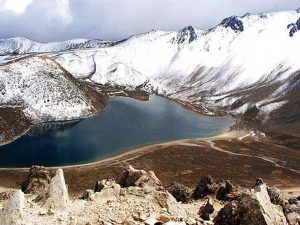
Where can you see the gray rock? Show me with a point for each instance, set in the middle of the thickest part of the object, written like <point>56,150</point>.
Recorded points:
<point>206,210</point>
<point>134,177</point>
<point>224,190</point>
<point>16,202</point>
<point>36,181</point>
<point>190,221</point>
<point>180,192</point>
<point>58,191</point>
<point>274,194</point>
<point>98,187</point>
<point>12,211</point>
<point>88,195</point>
<point>294,201</point>
<point>4,196</point>
<point>228,215</point>
<point>205,187</point>
<point>293,218</point>
<point>258,182</point>
<point>252,209</point>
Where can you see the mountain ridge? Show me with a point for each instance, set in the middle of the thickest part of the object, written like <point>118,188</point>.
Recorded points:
<point>21,45</point>
<point>246,66</point>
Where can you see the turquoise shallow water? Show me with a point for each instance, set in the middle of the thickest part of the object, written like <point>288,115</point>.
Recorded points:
<point>127,124</point>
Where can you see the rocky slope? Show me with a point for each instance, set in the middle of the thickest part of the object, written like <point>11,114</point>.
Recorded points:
<point>140,198</point>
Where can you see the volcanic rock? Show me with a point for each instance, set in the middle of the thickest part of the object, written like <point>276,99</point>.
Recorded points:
<point>274,194</point>
<point>37,180</point>
<point>228,215</point>
<point>88,195</point>
<point>224,190</point>
<point>252,209</point>
<point>206,210</point>
<point>180,192</point>
<point>205,187</point>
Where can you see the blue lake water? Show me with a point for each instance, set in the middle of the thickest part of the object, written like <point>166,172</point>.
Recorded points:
<point>127,124</point>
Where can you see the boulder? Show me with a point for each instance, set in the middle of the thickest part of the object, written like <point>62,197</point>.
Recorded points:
<point>228,215</point>
<point>134,177</point>
<point>224,190</point>
<point>12,211</point>
<point>4,196</point>
<point>205,187</point>
<point>258,182</point>
<point>252,209</point>
<point>58,192</point>
<point>180,192</point>
<point>16,202</point>
<point>274,194</point>
<point>36,181</point>
<point>271,213</point>
<point>190,221</point>
<point>294,201</point>
<point>98,186</point>
<point>88,195</point>
<point>167,201</point>
<point>206,210</point>
<point>291,209</point>
<point>293,218</point>
<point>109,190</point>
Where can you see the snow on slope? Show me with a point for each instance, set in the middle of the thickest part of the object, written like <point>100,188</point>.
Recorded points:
<point>238,54</point>
<point>43,89</point>
<point>20,45</point>
<point>243,62</point>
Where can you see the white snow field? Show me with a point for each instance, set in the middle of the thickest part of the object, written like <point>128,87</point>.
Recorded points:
<point>214,66</point>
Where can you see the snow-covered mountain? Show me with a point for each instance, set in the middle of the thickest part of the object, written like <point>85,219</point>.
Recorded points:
<point>239,54</point>
<point>44,90</point>
<point>21,45</point>
<point>246,65</point>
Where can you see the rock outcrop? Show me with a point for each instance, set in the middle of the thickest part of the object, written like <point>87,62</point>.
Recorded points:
<point>254,208</point>
<point>58,192</point>
<point>206,210</point>
<point>180,192</point>
<point>205,187</point>
<point>139,198</point>
<point>37,180</point>
<point>133,177</point>
<point>291,209</point>
<point>224,191</point>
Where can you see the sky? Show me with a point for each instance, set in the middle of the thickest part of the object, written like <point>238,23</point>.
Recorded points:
<point>57,20</point>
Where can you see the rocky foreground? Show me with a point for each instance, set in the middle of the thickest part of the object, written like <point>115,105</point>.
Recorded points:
<point>138,197</point>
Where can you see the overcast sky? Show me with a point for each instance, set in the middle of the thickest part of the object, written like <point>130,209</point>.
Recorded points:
<point>56,20</point>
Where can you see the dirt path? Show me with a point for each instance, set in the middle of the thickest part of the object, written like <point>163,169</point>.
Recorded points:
<point>267,159</point>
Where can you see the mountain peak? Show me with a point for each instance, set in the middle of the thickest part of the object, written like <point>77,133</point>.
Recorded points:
<point>234,23</point>
<point>294,27</point>
<point>186,35</point>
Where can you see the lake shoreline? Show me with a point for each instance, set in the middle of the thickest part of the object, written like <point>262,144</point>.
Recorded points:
<point>226,135</point>
<point>129,124</point>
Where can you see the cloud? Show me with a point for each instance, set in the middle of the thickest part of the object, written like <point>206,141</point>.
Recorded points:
<point>16,6</point>
<point>55,20</point>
